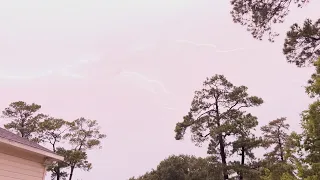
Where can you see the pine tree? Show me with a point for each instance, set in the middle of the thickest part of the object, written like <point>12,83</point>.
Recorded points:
<point>243,145</point>
<point>275,136</point>
<point>214,113</point>
<point>24,118</point>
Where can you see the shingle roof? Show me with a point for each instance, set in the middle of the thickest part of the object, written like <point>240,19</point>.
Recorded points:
<point>16,138</point>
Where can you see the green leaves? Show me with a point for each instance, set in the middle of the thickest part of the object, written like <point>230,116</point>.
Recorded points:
<point>24,118</point>
<point>310,138</point>
<point>214,107</point>
<point>81,134</point>
<point>313,88</point>
<point>84,134</point>
<point>275,136</point>
<point>51,131</point>
<point>184,167</point>
<point>259,16</point>
<point>301,45</point>
<point>278,171</point>
<point>217,112</point>
<point>76,158</point>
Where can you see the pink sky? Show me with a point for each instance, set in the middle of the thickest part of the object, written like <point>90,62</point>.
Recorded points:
<point>135,66</point>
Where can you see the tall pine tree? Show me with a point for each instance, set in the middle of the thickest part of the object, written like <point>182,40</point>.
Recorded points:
<point>213,115</point>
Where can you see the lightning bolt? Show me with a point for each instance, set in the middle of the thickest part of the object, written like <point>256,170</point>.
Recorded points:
<point>150,81</point>
<point>169,108</point>
<point>146,79</point>
<point>196,44</point>
<point>209,45</point>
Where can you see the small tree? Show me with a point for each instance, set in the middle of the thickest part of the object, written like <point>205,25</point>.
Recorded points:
<point>213,113</point>
<point>51,131</point>
<point>275,135</point>
<point>84,134</point>
<point>243,145</point>
<point>24,118</point>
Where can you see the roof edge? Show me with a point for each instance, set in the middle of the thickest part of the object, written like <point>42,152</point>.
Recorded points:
<point>52,156</point>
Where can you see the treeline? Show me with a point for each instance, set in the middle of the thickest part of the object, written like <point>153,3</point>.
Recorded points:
<point>70,139</point>
<point>219,116</point>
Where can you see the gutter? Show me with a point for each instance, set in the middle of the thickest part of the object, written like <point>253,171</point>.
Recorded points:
<point>52,156</point>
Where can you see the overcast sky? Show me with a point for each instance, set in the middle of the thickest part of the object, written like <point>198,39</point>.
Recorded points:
<point>134,66</point>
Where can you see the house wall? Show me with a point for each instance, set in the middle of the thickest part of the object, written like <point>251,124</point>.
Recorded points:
<point>18,164</point>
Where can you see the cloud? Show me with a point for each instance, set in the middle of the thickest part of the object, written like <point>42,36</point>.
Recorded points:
<point>209,45</point>
<point>9,77</point>
<point>141,47</point>
<point>152,82</point>
<point>40,75</point>
<point>67,73</point>
<point>22,77</point>
<point>65,70</point>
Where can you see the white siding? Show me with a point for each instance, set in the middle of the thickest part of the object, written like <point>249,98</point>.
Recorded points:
<point>16,164</point>
<point>15,168</point>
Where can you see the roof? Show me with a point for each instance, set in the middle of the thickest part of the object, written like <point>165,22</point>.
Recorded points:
<point>18,139</point>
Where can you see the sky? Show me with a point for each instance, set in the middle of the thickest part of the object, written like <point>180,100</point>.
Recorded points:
<point>134,66</point>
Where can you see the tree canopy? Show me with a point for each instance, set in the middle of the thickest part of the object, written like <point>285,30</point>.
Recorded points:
<point>217,113</point>
<point>302,42</point>
<point>24,118</point>
<point>70,139</point>
<point>184,167</point>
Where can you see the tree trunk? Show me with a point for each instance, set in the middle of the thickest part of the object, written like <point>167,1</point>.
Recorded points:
<point>242,163</point>
<point>71,172</point>
<point>58,173</point>
<point>56,169</point>
<point>223,157</point>
<point>221,141</point>
<point>280,146</point>
<point>281,152</point>
<point>22,128</point>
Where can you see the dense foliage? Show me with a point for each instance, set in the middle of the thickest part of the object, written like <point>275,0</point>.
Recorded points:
<point>184,167</point>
